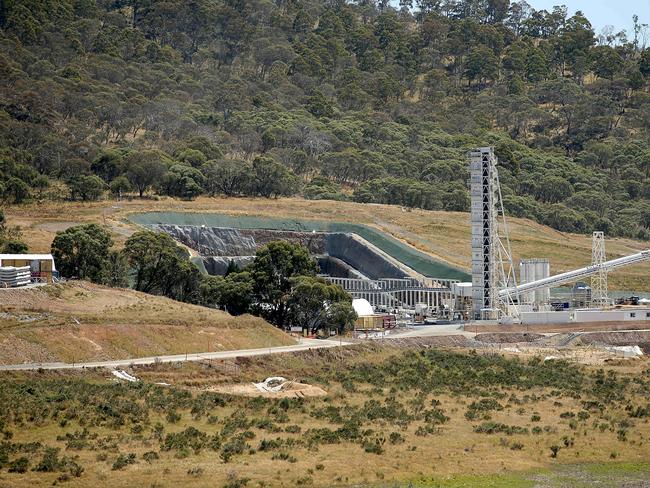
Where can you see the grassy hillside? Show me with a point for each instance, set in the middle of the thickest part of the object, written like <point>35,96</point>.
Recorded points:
<point>444,235</point>
<point>79,321</point>
<point>445,419</point>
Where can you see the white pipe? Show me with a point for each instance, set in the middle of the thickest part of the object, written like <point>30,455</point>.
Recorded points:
<point>575,274</point>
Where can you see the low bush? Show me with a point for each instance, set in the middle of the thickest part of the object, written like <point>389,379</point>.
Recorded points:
<point>19,465</point>
<point>50,461</point>
<point>284,456</point>
<point>190,438</point>
<point>231,448</point>
<point>150,456</point>
<point>395,438</point>
<point>374,446</point>
<point>496,428</point>
<point>122,461</point>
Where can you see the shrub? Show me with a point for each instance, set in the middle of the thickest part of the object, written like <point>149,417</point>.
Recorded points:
<point>74,468</point>
<point>267,445</point>
<point>123,461</point>
<point>190,438</point>
<point>150,456</point>
<point>50,462</point>
<point>195,471</point>
<point>494,428</point>
<point>374,446</point>
<point>235,482</point>
<point>435,416</point>
<point>173,417</point>
<point>232,447</point>
<point>395,438</point>
<point>480,408</point>
<point>19,465</point>
<point>638,412</point>
<point>4,455</point>
<point>554,450</point>
<point>284,456</point>
<point>535,418</point>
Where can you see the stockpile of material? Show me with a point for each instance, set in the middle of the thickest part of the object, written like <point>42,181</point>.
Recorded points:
<point>11,276</point>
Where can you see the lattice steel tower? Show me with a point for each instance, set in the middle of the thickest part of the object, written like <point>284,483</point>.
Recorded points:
<point>599,292</point>
<point>492,267</point>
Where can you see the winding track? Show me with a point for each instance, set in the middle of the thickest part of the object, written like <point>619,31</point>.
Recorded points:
<point>302,345</point>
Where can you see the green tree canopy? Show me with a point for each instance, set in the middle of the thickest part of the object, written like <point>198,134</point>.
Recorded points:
<point>272,270</point>
<point>316,305</point>
<point>82,252</point>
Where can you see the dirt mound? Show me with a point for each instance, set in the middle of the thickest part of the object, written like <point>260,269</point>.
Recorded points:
<point>508,338</point>
<point>615,338</point>
<point>432,341</point>
<point>293,389</point>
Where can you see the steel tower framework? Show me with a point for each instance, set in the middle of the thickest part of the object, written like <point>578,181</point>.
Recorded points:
<point>599,291</point>
<point>492,267</point>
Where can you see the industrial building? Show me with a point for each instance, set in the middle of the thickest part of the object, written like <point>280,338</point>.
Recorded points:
<point>496,292</point>
<point>393,277</point>
<point>369,321</point>
<point>623,314</point>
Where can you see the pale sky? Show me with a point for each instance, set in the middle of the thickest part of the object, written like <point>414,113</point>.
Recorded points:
<point>603,12</point>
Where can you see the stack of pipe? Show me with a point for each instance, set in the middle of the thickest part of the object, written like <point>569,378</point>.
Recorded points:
<point>12,276</point>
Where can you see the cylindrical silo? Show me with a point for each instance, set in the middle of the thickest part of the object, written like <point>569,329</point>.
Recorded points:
<point>526,275</point>
<point>532,270</point>
<point>542,270</point>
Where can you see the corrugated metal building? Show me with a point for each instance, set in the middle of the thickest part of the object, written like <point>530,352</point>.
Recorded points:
<point>626,314</point>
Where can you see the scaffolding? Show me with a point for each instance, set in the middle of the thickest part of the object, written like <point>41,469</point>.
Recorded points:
<point>397,293</point>
<point>599,292</point>
<point>492,267</point>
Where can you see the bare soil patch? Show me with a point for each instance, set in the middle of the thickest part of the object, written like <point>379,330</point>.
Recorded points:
<point>293,390</point>
<point>507,338</point>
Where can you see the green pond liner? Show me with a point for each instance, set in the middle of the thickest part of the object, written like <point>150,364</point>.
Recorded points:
<point>411,257</point>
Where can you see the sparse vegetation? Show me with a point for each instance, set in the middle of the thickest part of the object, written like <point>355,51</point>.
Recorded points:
<point>117,425</point>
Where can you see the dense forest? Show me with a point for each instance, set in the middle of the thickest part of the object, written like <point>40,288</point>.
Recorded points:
<point>368,101</point>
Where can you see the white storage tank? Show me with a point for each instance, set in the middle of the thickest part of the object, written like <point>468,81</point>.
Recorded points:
<point>533,270</point>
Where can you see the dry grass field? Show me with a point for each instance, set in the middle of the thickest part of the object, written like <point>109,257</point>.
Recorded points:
<point>442,418</point>
<point>443,235</point>
<point>79,321</point>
